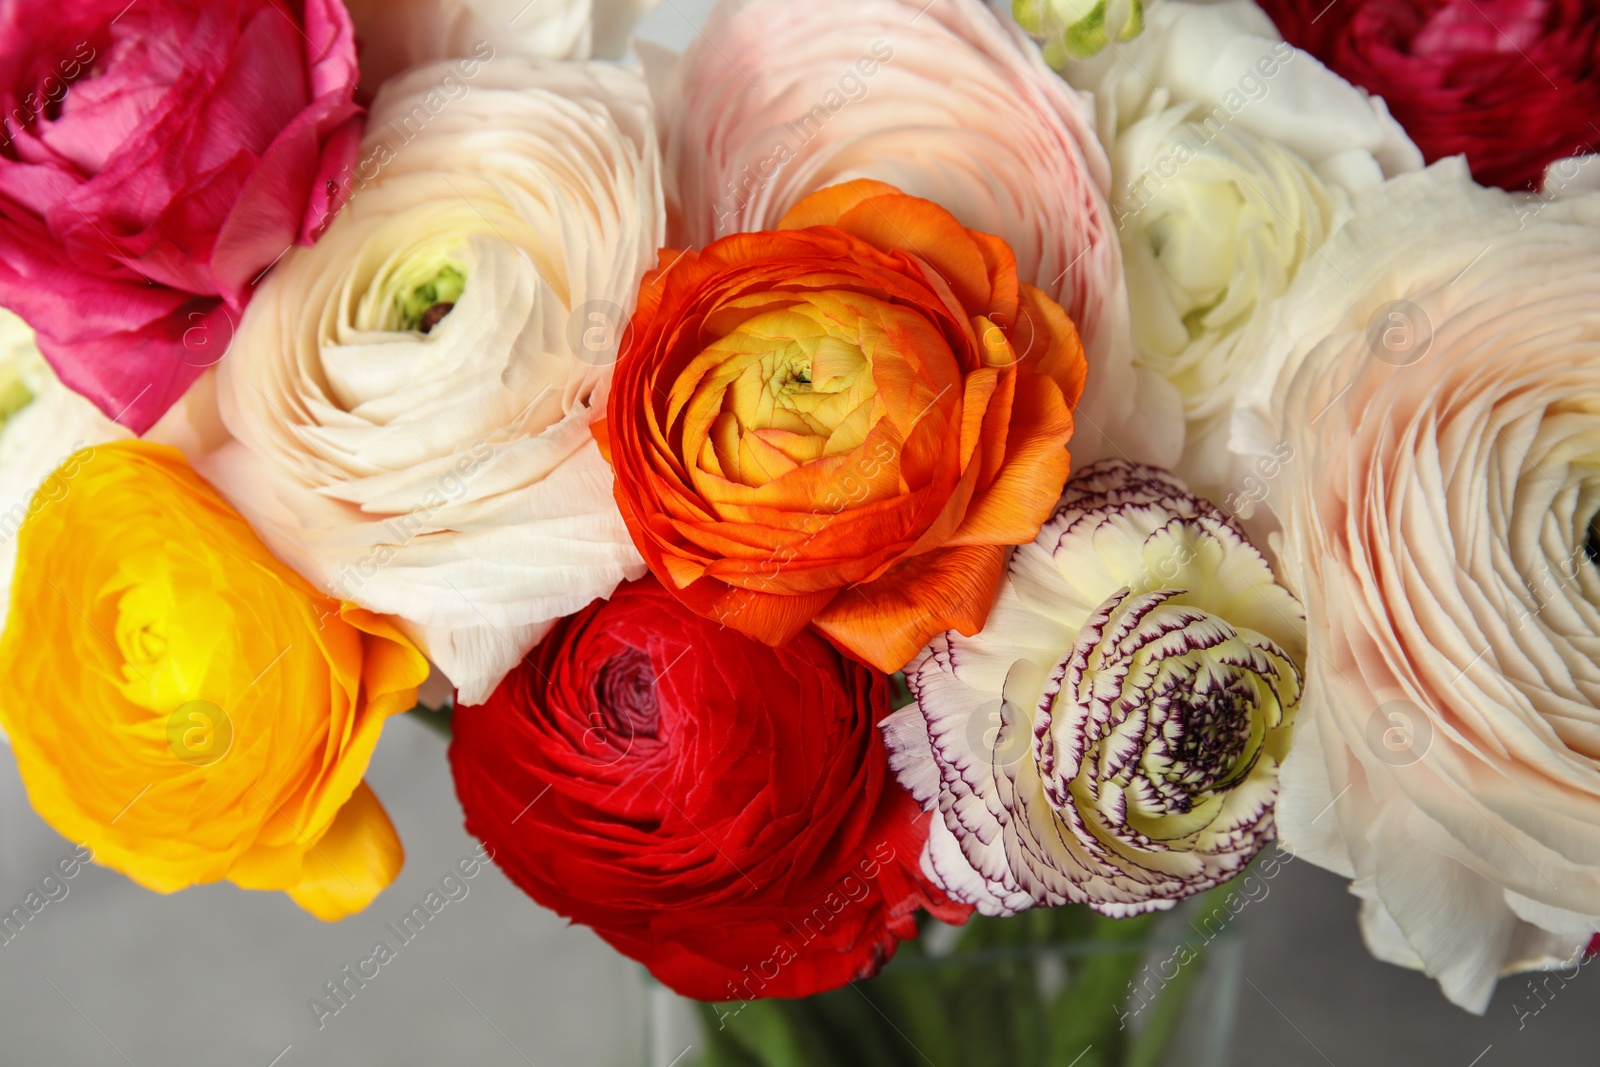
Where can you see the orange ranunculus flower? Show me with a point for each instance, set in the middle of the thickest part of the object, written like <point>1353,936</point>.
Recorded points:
<point>844,422</point>
<point>185,704</point>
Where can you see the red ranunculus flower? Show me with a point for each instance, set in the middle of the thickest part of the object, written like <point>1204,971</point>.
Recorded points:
<point>715,808</point>
<point>1514,84</point>
<point>155,159</point>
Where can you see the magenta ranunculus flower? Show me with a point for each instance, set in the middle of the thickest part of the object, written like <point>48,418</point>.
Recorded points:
<point>155,159</point>
<point>1512,84</point>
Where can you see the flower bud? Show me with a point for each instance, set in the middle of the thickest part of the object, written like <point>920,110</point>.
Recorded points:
<point>1077,29</point>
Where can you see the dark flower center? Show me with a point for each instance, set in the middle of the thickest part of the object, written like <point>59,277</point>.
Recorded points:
<point>1216,721</point>
<point>625,700</point>
<point>1591,544</point>
<point>435,315</point>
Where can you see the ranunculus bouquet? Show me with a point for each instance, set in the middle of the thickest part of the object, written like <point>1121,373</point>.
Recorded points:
<point>892,466</point>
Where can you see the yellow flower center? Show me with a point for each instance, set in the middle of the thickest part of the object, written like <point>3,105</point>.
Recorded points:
<point>793,385</point>
<point>171,645</point>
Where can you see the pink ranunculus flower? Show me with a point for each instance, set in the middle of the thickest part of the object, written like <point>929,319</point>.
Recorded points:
<point>155,159</point>
<point>1426,430</point>
<point>949,101</point>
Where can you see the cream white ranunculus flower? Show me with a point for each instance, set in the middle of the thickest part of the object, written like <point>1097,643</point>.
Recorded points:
<point>1113,734</point>
<point>1435,375</point>
<point>398,34</point>
<point>412,396</point>
<point>947,101</point>
<point>1233,159</point>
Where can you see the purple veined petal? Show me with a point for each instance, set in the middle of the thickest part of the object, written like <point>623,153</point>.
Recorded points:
<point>1150,734</point>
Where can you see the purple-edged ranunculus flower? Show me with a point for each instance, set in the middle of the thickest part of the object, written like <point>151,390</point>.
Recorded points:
<point>1112,736</point>
<point>155,159</point>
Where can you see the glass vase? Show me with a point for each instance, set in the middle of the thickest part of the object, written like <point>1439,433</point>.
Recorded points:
<point>1057,987</point>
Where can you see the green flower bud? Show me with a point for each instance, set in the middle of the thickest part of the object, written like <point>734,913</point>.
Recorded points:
<point>1077,29</point>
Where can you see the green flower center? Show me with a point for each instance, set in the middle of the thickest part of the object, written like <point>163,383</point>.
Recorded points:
<point>425,303</point>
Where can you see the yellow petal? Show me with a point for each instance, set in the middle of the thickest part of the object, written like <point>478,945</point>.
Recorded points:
<point>355,860</point>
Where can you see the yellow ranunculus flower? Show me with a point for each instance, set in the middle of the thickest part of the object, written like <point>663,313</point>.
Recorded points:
<point>187,705</point>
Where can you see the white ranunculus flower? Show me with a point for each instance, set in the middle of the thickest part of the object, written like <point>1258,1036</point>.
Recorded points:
<point>1233,156</point>
<point>1435,376</point>
<point>1112,736</point>
<point>412,396</point>
<point>398,34</point>
<point>1570,177</point>
<point>948,101</point>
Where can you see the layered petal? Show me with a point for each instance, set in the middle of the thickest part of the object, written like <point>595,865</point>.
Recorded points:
<point>218,714</point>
<point>1428,411</point>
<point>717,809</point>
<point>1112,736</point>
<point>159,160</point>
<point>1233,158</point>
<point>951,102</point>
<point>398,34</point>
<point>412,397</point>
<point>1512,84</point>
<point>846,420</point>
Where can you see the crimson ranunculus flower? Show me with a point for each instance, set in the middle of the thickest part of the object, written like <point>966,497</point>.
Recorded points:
<point>719,810</point>
<point>155,159</point>
<point>1514,84</point>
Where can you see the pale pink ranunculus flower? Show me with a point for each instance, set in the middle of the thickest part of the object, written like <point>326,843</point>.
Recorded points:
<point>1430,403</point>
<point>412,396</point>
<point>949,101</point>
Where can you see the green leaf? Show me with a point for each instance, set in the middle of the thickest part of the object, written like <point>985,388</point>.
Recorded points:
<point>438,720</point>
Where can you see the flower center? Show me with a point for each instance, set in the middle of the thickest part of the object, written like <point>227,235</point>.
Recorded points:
<point>169,645</point>
<point>1213,717</point>
<point>797,386</point>
<point>625,699</point>
<point>1180,703</point>
<point>427,302</point>
<point>1591,544</point>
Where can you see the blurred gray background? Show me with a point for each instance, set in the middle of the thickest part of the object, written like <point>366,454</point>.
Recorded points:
<point>113,975</point>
